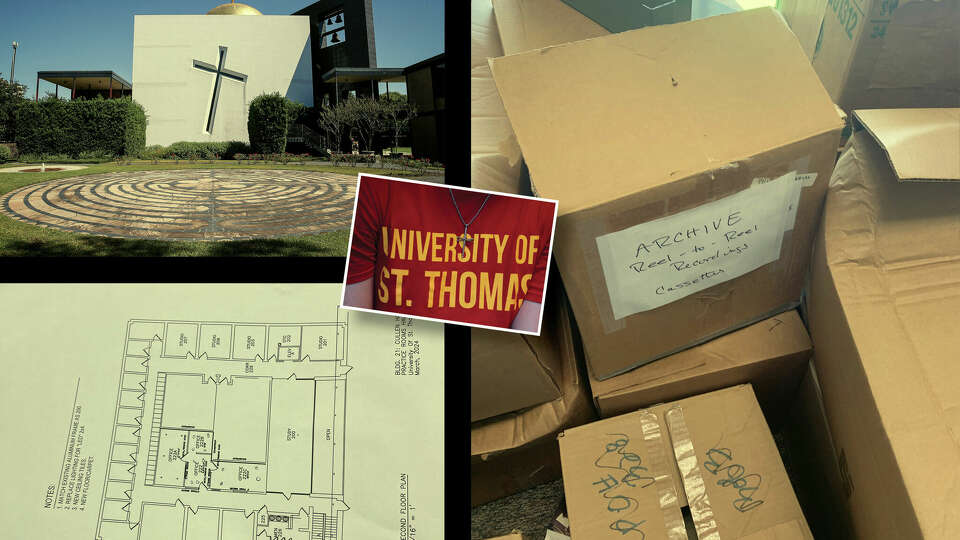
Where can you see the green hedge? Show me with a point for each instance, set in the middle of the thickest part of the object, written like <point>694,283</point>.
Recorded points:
<point>5,154</point>
<point>196,150</point>
<point>53,126</point>
<point>267,123</point>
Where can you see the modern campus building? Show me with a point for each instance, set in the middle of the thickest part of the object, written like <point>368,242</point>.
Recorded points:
<point>196,74</point>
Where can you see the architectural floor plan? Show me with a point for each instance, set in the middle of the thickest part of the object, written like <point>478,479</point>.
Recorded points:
<point>228,430</point>
<point>217,412</point>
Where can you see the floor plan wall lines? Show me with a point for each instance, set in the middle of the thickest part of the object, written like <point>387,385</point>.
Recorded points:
<point>228,431</point>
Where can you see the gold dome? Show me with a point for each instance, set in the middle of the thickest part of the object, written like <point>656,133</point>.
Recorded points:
<point>234,9</point>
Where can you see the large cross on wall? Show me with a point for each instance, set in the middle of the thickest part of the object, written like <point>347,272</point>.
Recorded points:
<point>220,72</point>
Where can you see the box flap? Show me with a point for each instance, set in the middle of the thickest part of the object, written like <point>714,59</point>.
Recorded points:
<point>921,144</point>
<point>627,112</point>
<point>531,24</point>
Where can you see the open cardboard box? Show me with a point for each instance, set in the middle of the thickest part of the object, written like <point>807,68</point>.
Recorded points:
<point>495,161</point>
<point>674,145</point>
<point>515,451</point>
<point>882,53</point>
<point>510,372</point>
<point>772,355</point>
<point>884,313</point>
<point>713,453</point>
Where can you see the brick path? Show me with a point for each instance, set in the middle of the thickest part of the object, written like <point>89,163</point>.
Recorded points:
<point>189,204</point>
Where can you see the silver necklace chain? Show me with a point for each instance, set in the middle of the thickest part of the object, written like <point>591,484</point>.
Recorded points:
<point>466,224</point>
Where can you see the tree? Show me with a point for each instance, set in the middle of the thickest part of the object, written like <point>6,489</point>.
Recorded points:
<point>11,94</point>
<point>365,115</point>
<point>398,113</point>
<point>267,123</point>
<point>333,120</point>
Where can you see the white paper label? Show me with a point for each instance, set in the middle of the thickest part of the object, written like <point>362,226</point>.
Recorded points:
<point>652,264</point>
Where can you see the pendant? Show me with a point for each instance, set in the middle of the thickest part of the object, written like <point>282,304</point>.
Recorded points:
<point>463,239</point>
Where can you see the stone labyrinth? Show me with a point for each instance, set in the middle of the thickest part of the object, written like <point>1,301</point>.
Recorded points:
<point>189,204</point>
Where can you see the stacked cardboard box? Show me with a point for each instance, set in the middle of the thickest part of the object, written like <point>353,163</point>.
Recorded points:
<point>495,161</point>
<point>771,354</point>
<point>712,453</point>
<point>813,463</point>
<point>514,451</point>
<point>524,390</point>
<point>690,180</point>
<point>510,372</point>
<point>882,53</point>
<point>684,126</point>
<point>884,308</point>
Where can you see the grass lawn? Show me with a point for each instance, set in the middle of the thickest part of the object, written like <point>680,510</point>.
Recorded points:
<point>22,239</point>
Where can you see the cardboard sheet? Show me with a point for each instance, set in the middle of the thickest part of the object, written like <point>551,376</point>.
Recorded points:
<point>217,411</point>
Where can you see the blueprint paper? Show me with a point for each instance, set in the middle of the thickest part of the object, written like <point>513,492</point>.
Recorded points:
<point>217,412</point>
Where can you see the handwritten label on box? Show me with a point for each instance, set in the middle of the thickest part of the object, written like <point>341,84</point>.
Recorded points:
<point>658,262</point>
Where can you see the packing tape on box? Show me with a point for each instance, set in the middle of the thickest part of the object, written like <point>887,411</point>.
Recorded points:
<point>667,495</point>
<point>693,484</point>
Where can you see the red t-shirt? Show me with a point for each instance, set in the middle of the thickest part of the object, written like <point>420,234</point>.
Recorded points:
<point>406,238</point>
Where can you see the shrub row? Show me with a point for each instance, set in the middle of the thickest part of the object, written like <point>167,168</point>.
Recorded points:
<point>53,126</point>
<point>90,156</point>
<point>284,157</point>
<point>195,150</point>
<point>352,159</point>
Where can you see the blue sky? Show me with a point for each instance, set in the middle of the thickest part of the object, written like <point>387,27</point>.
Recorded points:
<point>58,35</point>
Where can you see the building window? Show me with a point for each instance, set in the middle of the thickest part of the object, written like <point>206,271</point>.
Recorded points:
<point>332,30</point>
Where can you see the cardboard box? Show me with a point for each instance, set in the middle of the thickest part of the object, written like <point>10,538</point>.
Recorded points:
<point>509,371</point>
<point>659,143</point>
<point>882,53</point>
<point>525,25</point>
<point>516,451</point>
<point>495,160</point>
<point>632,473</point>
<point>771,354</point>
<point>805,18</point>
<point>812,463</point>
<point>619,16</point>
<point>884,309</point>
